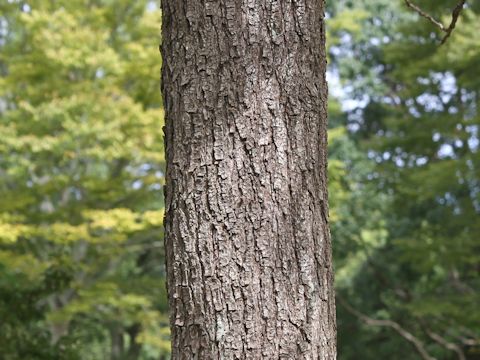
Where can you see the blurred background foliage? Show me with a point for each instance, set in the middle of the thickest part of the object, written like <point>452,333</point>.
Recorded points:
<point>81,164</point>
<point>405,180</point>
<point>81,174</point>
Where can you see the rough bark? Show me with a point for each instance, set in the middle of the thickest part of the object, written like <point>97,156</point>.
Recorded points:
<point>247,242</point>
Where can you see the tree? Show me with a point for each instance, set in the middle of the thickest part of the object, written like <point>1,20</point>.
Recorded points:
<point>248,251</point>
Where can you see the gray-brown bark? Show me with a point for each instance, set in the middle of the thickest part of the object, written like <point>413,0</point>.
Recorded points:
<point>247,242</point>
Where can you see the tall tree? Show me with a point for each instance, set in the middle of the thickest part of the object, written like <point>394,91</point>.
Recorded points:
<point>248,248</point>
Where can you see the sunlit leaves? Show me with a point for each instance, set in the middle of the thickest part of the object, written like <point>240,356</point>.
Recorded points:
<point>82,169</point>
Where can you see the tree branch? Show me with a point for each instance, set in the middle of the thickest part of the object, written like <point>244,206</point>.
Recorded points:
<point>447,30</point>
<point>455,14</point>
<point>446,344</point>
<point>389,323</point>
<point>425,15</point>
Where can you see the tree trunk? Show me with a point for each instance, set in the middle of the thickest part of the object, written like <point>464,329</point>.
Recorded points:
<point>247,242</point>
<point>134,348</point>
<point>117,345</point>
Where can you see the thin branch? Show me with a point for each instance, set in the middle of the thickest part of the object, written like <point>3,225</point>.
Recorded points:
<point>468,342</point>
<point>465,336</point>
<point>447,30</point>
<point>446,344</point>
<point>470,338</point>
<point>425,15</point>
<point>389,323</point>
<point>455,14</point>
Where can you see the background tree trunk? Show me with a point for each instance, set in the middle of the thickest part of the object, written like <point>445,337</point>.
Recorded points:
<point>247,240</point>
